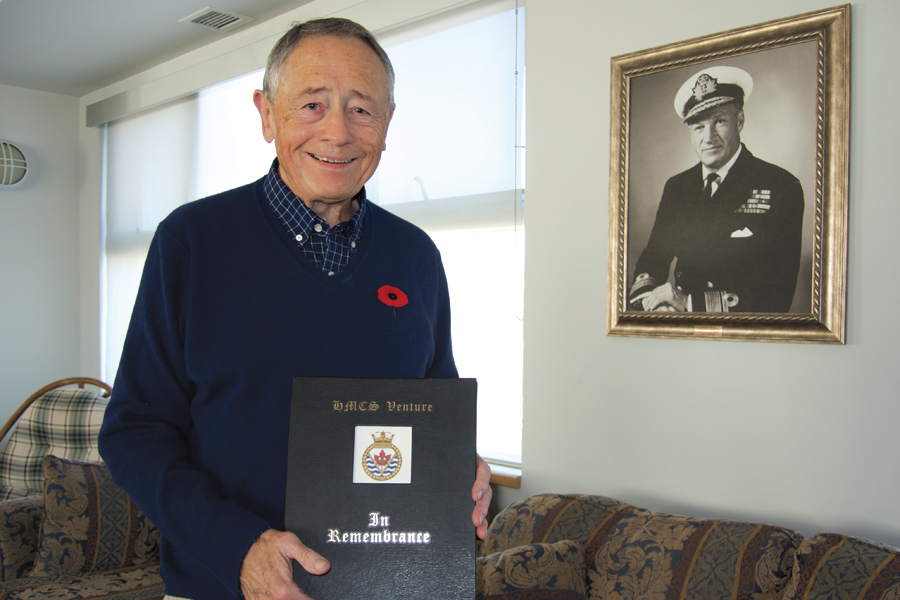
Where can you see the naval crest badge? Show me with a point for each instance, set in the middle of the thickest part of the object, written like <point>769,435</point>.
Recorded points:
<point>705,86</point>
<point>381,465</point>
<point>383,455</point>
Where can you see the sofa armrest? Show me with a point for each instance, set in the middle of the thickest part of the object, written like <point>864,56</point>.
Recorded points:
<point>549,518</point>
<point>20,522</point>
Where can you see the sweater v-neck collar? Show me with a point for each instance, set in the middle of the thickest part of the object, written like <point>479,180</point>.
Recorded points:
<point>276,228</point>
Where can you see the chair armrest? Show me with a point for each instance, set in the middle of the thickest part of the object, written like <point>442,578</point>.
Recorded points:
<point>20,522</point>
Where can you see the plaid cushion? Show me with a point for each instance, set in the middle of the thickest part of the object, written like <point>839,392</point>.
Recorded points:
<point>64,422</point>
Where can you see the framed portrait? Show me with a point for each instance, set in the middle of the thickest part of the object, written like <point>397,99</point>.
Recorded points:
<point>729,166</point>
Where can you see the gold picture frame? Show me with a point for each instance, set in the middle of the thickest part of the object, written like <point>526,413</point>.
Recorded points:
<point>798,114</point>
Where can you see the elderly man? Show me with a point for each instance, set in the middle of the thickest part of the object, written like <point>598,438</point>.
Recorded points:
<point>244,290</point>
<point>732,223</point>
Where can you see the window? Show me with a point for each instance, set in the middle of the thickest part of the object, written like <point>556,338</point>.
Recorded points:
<point>159,159</point>
<point>454,166</point>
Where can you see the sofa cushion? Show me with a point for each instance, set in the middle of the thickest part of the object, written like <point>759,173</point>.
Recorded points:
<point>131,583</point>
<point>90,524</point>
<point>63,422</point>
<point>632,552</point>
<point>840,567</point>
<point>548,518</point>
<point>532,572</point>
<point>20,520</point>
<point>638,553</point>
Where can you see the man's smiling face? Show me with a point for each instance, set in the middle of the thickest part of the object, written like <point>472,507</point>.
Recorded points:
<point>329,119</point>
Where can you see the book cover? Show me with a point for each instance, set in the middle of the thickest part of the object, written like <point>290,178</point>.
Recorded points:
<point>379,482</point>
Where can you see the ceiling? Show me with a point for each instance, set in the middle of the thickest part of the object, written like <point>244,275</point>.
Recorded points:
<point>74,47</point>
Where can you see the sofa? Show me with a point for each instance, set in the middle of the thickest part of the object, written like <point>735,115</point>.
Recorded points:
<point>82,537</point>
<point>576,547</point>
<point>66,530</point>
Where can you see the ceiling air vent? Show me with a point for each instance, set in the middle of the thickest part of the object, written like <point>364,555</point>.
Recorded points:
<point>219,20</point>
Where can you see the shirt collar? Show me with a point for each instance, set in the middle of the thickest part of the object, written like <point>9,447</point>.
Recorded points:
<point>299,219</point>
<point>723,172</point>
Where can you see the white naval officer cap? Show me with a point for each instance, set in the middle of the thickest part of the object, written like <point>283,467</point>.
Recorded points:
<point>711,87</point>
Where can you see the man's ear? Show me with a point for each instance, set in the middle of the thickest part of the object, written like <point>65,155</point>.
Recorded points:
<point>266,115</point>
<point>740,120</point>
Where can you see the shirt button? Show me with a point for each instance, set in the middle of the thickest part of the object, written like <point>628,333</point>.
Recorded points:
<point>330,273</point>
<point>353,244</point>
<point>318,228</point>
<point>299,238</point>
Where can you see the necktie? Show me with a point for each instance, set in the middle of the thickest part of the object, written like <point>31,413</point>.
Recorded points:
<point>710,180</point>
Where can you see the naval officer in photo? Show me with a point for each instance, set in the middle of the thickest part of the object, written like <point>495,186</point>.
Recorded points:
<point>731,224</point>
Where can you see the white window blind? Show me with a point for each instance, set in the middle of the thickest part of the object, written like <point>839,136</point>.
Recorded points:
<point>149,163</point>
<point>161,158</point>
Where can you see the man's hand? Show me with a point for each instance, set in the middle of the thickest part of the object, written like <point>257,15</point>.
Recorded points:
<point>267,571</point>
<point>666,297</point>
<point>481,494</point>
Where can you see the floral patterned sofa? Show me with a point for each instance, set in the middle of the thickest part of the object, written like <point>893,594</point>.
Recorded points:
<point>575,547</point>
<point>83,538</point>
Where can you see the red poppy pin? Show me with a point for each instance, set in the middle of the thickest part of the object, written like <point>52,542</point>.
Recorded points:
<point>392,296</point>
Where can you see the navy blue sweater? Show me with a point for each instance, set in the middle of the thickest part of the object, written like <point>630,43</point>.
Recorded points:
<point>228,311</point>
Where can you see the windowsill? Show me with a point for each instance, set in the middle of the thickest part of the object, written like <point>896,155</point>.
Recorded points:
<point>506,476</point>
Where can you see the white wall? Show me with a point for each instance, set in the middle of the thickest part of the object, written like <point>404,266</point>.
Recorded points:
<point>798,435</point>
<point>39,271</point>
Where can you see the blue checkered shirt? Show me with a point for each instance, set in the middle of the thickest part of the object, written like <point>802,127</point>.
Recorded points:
<point>329,248</point>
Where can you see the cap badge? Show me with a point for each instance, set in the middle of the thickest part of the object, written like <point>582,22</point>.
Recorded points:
<point>705,85</point>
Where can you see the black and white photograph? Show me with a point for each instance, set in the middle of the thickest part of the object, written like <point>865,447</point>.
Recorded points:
<point>722,212</point>
<point>739,243</point>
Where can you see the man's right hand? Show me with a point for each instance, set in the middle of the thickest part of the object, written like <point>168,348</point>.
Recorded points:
<point>267,570</point>
<point>666,297</point>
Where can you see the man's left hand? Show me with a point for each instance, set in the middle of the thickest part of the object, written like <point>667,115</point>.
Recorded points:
<point>481,494</point>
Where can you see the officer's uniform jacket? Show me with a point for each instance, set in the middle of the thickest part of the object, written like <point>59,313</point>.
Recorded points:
<point>739,250</point>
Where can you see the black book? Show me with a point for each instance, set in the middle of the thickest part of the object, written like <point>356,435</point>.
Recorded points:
<point>379,482</point>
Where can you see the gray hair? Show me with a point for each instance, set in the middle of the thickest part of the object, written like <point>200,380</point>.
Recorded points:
<point>331,26</point>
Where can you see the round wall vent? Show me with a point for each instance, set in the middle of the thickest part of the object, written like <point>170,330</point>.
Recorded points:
<point>13,165</point>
